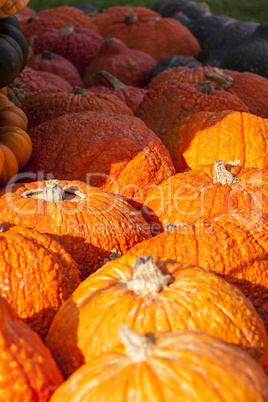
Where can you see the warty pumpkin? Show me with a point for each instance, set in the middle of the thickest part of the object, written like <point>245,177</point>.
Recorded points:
<point>144,29</point>
<point>181,365</point>
<point>56,64</point>
<point>131,66</point>
<point>57,17</point>
<point>78,45</point>
<point>203,137</point>
<point>37,275</point>
<point>114,152</point>
<point>150,294</point>
<point>206,193</point>
<point>28,371</point>
<point>234,245</point>
<point>53,81</point>
<point>51,103</point>
<point>29,81</point>
<point>89,223</point>
<point>173,100</point>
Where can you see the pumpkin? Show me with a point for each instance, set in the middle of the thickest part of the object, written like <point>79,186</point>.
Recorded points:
<point>11,20</point>
<point>53,81</point>
<point>114,152</point>
<point>56,64</point>
<point>263,362</point>
<point>171,101</point>
<point>57,17</point>
<point>250,55</point>
<point>29,81</point>
<point>28,371</point>
<point>11,61</point>
<point>206,193</point>
<point>107,224</point>
<point>11,115</point>
<point>143,29</point>
<point>15,33</point>
<point>9,7</point>
<point>181,365</point>
<point>150,294</point>
<point>132,96</point>
<point>130,66</point>
<point>225,135</point>
<point>51,103</point>
<point>224,40</point>
<point>37,275</point>
<point>78,45</point>
<point>233,245</point>
<point>206,25</point>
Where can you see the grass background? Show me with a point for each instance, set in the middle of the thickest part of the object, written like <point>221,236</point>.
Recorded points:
<point>245,10</point>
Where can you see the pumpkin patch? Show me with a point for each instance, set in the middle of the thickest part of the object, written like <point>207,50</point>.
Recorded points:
<point>133,203</point>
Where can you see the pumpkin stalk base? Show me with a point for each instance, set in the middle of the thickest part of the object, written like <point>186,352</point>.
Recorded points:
<point>138,347</point>
<point>222,175</point>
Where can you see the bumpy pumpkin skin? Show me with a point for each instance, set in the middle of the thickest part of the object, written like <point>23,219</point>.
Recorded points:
<point>56,64</point>
<point>58,17</point>
<point>131,66</point>
<point>181,365</point>
<point>193,195</point>
<point>78,45</point>
<point>53,81</point>
<point>51,103</point>
<point>174,100</point>
<point>114,152</point>
<point>29,80</point>
<point>143,29</point>
<point>205,137</point>
<point>234,246</point>
<point>91,228</point>
<point>28,371</point>
<point>37,275</point>
<point>114,295</point>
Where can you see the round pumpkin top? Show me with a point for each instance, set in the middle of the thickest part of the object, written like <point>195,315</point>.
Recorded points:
<point>181,365</point>
<point>234,245</point>
<point>91,224</point>
<point>33,264</point>
<point>150,294</point>
<point>28,370</point>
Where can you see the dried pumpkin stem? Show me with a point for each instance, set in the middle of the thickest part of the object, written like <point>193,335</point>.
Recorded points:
<point>131,18</point>
<point>222,175</point>
<point>205,87</point>
<point>53,192</point>
<point>79,91</point>
<point>222,81</point>
<point>47,55</point>
<point>114,83</point>
<point>147,277</point>
<point>138,347</point>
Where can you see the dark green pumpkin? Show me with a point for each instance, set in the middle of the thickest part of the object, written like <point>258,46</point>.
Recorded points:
<point>17,35</point>
<point>11,20</point>
<point>11,59</point>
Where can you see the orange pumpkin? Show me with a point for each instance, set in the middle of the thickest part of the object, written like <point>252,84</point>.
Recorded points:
<point>10,7</point>
<point>234,246</point>
<point>37,275</point>
<point>150,294</point>
<point>203,137</point>
<point>12,115</point>
<point>182,365</point>
<point>206,193</point>
<point>91,224</point>
<point>28,371</point>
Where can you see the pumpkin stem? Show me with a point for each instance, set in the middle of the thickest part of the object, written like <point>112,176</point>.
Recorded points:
<point>108,38</point>
<point>53,192</point>
<point>131,18</point>
<point>16,93</point>
<point>147,277</point>
<point>205,87</point>
<point>138,347</point>
<point>222,175</point>
<point>47,55</point>
<point>79,91</point>
<point>222,81</point>
<point>114,83</point>
<point>67,30</point>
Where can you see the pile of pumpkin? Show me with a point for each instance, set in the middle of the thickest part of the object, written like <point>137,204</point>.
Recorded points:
<point>133,211</point>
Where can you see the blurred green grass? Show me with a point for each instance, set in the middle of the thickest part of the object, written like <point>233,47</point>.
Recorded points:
<point>246,10</point>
